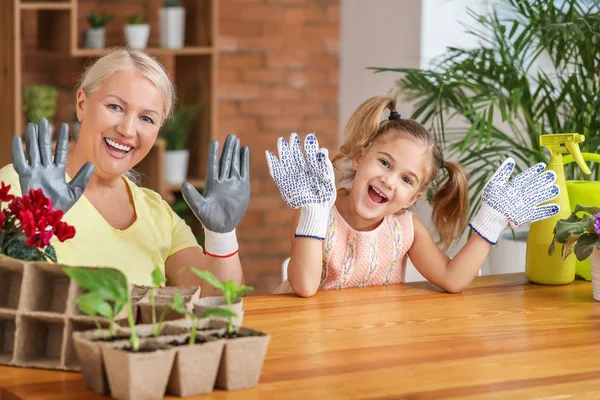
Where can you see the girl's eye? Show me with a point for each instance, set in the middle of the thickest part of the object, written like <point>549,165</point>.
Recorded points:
<point>115,107</point>
<point>147,119</point>
<point>384,162</point>
<point>407,180</point>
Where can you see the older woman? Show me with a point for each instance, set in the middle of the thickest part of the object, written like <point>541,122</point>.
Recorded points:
<point>122,101</point>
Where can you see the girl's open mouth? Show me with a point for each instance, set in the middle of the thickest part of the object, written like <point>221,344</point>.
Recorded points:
<point>376,196</point>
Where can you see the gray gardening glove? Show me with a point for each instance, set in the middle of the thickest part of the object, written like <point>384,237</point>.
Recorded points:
<point>226,195</point>
<point>42,172</point>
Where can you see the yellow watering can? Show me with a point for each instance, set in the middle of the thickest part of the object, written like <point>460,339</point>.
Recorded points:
<point>586,193</point>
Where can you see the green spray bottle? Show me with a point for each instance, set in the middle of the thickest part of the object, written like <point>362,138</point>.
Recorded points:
<point>539,266</point>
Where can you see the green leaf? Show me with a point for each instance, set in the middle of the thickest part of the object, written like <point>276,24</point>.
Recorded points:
<point>244,290</point>
<point>157,276</point>
<point>209,278</point>
<point>93,304</point>
<point>229,291</point>
<point>219,312</point>
<point>585,245</point>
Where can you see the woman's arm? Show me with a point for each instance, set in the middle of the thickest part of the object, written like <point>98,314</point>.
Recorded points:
<point>452,275</point>
<point>304,268</point>
<point>177,269</point>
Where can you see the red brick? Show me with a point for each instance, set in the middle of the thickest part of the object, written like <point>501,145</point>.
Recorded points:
<point>304,14</point>
<point>265,202</point>
<point>304,108</point>
<point>228,109</point>
<point>262,43</point>
<point>228,44</point>
<point>285,123</point>
<point>238,92</point>
<point>241,61</point>
<point>321,31</point>
<point>333,13</point>
<point>284,30</point>
<point>302,79</point>
<point>250,11</point>
<point>288,59</point>
<point>322,94</point>
<point>228,77</point>
<point>322,61</point>
<point>280,93</point>
<point>261,107</point>
<point>239,126</point>
<point>270,75</point>
<point>241,28</point>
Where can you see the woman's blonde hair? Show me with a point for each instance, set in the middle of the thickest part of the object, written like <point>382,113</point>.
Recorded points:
<point>120,58</point>
<point>365,127</point>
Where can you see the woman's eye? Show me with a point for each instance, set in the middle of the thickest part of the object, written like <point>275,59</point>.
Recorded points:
<point>147,119</point>
<point>114,107</point>
<point>384,162</point>
<point>407,180</point>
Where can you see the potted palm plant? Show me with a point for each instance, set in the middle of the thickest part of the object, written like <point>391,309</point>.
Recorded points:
<point>535,72</point>
<point>175,131</point>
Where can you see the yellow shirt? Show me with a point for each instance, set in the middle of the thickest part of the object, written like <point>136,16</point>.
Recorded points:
<point>156,234</point>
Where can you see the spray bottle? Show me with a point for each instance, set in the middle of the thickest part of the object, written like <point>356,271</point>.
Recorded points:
<point>539,266</point>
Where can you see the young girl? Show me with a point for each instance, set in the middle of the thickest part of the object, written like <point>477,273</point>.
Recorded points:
<point>362,233</point>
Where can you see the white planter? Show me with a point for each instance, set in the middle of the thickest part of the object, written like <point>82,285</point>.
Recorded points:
<point>137,35</point>
<point>94,38</point>
<point>176,166</point>
<point>172,27</point>
<point>595,267</point>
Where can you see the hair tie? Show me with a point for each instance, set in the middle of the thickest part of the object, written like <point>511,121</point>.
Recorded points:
<point>394,115</point>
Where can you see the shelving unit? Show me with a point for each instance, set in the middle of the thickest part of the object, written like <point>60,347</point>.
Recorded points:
<point>41,42</point>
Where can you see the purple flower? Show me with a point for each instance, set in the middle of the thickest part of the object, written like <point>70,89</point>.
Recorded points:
<point>597,223</point>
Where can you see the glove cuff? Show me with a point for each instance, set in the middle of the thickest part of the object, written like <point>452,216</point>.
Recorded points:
<point>220,245</point>
<point>488,223</point>
<point>313,221</point>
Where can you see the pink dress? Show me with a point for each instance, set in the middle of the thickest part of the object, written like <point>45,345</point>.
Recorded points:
<point>356,259</point>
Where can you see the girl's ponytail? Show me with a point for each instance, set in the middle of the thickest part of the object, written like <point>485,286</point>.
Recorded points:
<point>451,205</point>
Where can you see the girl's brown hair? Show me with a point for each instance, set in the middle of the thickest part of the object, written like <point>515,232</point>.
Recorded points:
<point>450,201</point>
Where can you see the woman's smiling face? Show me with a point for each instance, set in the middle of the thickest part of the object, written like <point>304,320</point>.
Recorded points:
<point>120,121</point>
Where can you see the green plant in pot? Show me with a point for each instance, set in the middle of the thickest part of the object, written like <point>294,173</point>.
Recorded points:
<point>245,348</point>
<point>176,131</point>
<point>535,72</point>
<point>39,101</point>
<point>95,36</point>
<point>131,365</point>
<point>137,32</point>
<point>171,18</point>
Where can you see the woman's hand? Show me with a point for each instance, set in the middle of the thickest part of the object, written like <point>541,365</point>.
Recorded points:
<point>41,172</point>
<point>226,195</point>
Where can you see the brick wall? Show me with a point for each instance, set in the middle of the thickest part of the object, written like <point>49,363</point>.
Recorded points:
<point>278,74</point>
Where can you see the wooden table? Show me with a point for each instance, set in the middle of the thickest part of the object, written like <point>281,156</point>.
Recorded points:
<point>503,338</point>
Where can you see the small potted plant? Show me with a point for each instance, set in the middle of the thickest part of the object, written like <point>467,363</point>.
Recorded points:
<point>245,349</point>
<point>95,36</point>
<point>134,367</point>
<point>28,225</point>
<point>137,32</point>
<point>39,101</point>
<point>172,24</point>
<point>175,131</point>
<point>581,235</point>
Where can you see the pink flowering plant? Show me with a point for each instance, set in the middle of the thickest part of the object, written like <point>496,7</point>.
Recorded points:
<point>578,234</point>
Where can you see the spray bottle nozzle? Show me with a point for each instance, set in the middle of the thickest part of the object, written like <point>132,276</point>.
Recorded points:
<point>560,143</point>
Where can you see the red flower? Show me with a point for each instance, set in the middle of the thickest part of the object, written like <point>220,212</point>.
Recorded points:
<point>40,240</point>
<point>2,219</point>
<point>4,196</point>
<point>64,231</point>
<point>27,222</point>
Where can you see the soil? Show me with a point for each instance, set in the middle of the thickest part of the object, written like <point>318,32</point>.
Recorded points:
<point>235,335</point>
<point>199,340</point>
<point>140,350</point>
<point>110,339</point>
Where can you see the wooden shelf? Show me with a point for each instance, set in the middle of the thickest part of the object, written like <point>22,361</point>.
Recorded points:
<point>197,183</point>
<point>46,6</point>
<point>156,51</point>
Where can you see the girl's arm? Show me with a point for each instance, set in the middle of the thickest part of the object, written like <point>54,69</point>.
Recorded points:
<point>304,268</point>
<point>452,275</point>
<point>502,200</point>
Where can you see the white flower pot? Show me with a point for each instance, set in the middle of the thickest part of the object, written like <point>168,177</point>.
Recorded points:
<point>172,27</point>
<point>137,35</point>
<point>94,38</point>
<point>595,267</point>
<point>176,166</point>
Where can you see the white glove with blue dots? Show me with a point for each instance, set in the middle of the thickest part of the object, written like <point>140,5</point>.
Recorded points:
<point>515,201</point>
<point>305,183</point>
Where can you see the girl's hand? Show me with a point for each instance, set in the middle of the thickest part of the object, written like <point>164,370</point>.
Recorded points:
<point>305,183</point>
<point>226,195</point>
<point>41,172</point>
<point>515,201</point>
